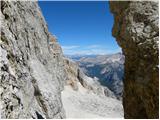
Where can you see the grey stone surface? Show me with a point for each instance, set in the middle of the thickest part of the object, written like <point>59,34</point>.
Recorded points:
<point>76,76</point>
<point>32,70</point>
<point>136,29</point>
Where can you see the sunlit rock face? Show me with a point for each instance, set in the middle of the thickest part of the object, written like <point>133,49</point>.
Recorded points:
<point>31,62</point>
<point>136,29</point>
<point>76,76</point>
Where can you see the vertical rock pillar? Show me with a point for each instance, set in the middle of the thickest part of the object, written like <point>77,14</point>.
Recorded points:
<point>136,29</point>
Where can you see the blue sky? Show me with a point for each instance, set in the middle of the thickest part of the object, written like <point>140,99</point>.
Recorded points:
<point>81,27</point>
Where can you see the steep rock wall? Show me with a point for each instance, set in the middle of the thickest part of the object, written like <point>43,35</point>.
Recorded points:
<point>31,64</point>
<point>136,29</point>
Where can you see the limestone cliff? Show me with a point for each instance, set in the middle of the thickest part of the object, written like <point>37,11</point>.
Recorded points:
<point>31,64</point>
<point>136,29</point>
<point>76,76</point>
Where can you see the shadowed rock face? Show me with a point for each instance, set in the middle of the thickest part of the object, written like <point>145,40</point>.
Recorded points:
<point>136,30</point>
<point>31,64</point>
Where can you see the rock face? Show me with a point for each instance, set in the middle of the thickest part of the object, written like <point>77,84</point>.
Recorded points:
<point>136,29</point>
<point>31,62</point>
<point>76,76</point>
<point>71,69</point>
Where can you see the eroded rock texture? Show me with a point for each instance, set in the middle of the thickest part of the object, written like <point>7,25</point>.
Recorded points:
<point>136,29</point>
<point>76,78</point>
<point>31,64</point>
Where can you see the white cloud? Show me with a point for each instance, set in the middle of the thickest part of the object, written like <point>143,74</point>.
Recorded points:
<point>93,46</point>
<point>70,47</point>
<point>91,52</point>
<point>87,50</point>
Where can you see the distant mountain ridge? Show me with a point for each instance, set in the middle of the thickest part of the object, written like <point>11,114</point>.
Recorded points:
<point>109,69</point>
<point>77,57</point>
